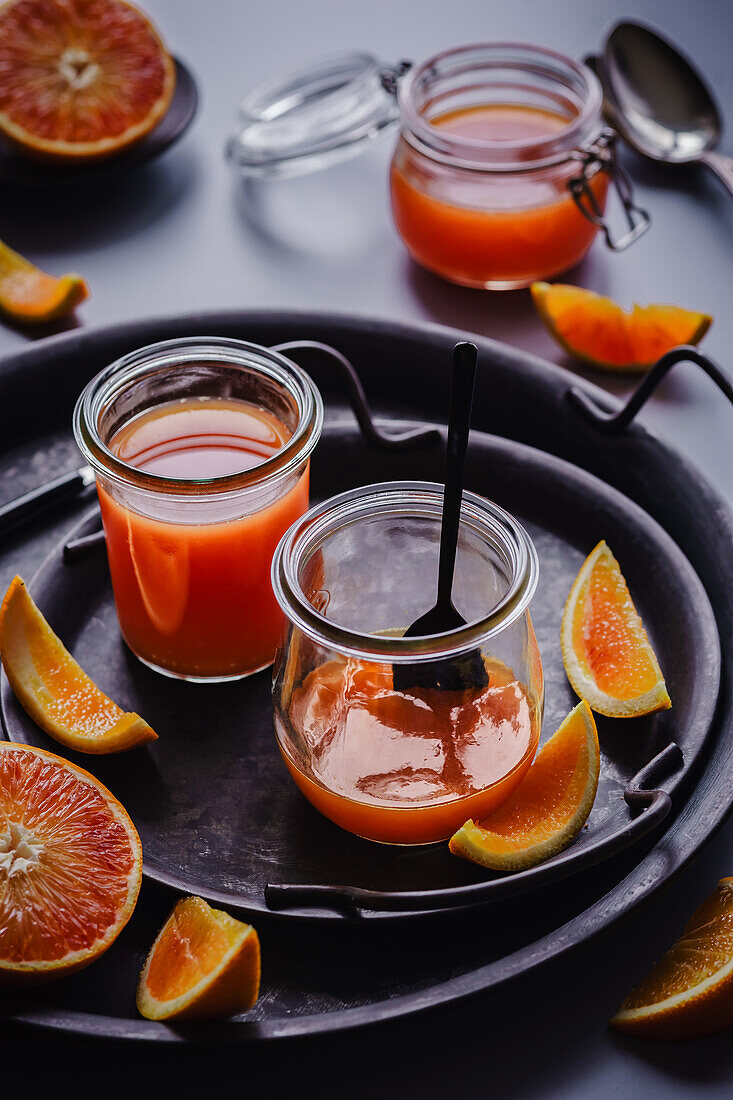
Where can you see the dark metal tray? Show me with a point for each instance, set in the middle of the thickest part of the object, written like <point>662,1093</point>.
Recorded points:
<point>185,820</point>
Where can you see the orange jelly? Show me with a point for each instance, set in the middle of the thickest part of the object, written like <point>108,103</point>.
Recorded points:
<point>407,768</point>
<point>493,229</point>
<point>194,598</point>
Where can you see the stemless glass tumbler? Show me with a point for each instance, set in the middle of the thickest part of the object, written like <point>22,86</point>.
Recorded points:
<point>190,557</point>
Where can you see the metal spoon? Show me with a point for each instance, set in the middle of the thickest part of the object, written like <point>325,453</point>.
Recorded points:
<point>660,103</point>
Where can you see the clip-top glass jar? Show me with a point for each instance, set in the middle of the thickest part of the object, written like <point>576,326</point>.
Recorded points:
<point>501,172</point>
<point>502,167</point>
<point>190,546</point>
<point>405,766</point>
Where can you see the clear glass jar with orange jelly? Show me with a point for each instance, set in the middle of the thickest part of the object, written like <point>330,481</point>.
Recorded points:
<point>201,449</point>
<point>405,766</point>
<point>502,168</point>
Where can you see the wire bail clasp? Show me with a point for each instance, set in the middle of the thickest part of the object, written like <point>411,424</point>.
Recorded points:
<point>390,76</point>
<point>595,158</point>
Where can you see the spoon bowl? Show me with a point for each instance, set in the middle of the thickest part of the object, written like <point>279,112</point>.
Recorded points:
<point>659,102</point>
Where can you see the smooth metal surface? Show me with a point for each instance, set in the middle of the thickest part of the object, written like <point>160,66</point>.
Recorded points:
<point>661,105</point>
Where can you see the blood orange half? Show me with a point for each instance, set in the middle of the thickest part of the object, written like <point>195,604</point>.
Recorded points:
<point>80,79</point>
<point>70,866</point>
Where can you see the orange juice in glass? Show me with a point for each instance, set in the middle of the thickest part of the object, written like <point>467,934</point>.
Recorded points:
<point>200,449</point>
<point>404,766</point>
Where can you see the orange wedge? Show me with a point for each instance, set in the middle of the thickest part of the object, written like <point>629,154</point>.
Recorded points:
<point>54,690</point>
<point>70,866</point>
<point>598,331</point>
<point>29,296</point>
<point>548,808</point>
<point>203,964</point>
<point>689,993</point>
<point>607,655</point>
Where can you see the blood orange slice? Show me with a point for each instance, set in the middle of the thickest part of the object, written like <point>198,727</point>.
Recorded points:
<point>80,79</point>
<point>70,866</point>
<point>598,331</point>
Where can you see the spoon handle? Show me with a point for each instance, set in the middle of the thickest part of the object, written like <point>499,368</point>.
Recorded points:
<point>459,421</point>
<point>721,166</point>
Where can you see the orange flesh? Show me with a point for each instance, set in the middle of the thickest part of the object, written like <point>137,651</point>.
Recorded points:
<point>79,71</point>
<point>31,291</point>
<point>606,636</point>
<point>705,947</point>
<point>197,598</point>
<point>74,890</point>
<point>407,768</point>
<point>76,703</point>
<point>597,329</point>
<point>548,796</point>
<point>516,229</point>
<point>191,945</point>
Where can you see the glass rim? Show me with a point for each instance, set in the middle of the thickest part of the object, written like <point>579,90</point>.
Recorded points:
<point>112,380</point>
<point>520,155</point>
<point>420,498</point>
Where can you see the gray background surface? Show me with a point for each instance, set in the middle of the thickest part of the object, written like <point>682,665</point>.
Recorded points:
<point>183,235</point>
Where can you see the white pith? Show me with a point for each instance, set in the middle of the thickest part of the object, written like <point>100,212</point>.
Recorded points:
<point>78,68</point>
<point>20,851</point>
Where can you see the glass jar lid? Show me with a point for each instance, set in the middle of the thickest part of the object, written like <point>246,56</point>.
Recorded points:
<point>316,116</point>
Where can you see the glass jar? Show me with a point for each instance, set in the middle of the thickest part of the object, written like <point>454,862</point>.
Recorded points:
<point>492,136</point>
<point>408,766</point>
<point>502,167</point>
<point>190,557</point>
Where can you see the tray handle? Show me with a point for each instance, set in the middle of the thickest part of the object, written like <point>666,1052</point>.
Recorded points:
<point>358,401</point>
<point>611,423</point>
<point>654,801</point>
<point>71,485</point>
<point>353,901</point>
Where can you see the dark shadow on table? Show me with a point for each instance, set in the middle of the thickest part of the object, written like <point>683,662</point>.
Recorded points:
<point>92,215</point>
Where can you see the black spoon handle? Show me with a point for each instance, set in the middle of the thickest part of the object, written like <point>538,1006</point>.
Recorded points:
<point>459,422</point>
<point>37,500</point>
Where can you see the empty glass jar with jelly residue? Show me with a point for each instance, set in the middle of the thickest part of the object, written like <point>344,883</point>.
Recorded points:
<point>404,765</point>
